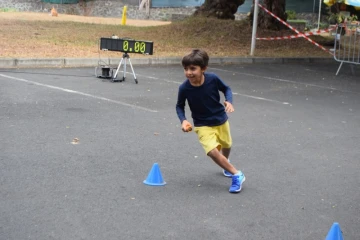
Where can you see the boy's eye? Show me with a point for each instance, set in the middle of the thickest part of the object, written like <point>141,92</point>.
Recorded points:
<point>191,68</point>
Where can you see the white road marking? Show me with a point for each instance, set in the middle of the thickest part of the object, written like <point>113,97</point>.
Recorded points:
<point>80,93</point>
<point>288,81</point>
<point>243,95</point>
<point>155,78</point>
<point>260,98</point>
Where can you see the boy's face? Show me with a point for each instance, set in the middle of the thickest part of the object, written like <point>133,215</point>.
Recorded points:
<point>194,73</point>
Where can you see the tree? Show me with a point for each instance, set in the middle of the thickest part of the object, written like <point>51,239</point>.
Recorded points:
<point>265,20</point>
<point>222,9</point>
<point>226,9</point>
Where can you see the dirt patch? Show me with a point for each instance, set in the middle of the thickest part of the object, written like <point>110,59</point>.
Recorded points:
<point>29,16</point>
<point>40,35</point>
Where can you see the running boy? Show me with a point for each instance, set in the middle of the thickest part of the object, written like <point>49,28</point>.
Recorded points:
<point>201,90</point>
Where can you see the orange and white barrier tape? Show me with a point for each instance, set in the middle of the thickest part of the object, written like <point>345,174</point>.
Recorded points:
<point>321,31</point>
<point>299,34</point>
<point>280,38</point>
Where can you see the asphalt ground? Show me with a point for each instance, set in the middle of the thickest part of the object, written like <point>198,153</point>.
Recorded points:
<point>295,129</point>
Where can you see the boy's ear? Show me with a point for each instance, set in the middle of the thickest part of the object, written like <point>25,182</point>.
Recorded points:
<point>204,68</point>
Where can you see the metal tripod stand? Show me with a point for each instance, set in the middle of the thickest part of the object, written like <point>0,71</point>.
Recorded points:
<point>125,57</point>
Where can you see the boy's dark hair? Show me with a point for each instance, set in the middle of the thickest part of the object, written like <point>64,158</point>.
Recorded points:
<point>197,57</point>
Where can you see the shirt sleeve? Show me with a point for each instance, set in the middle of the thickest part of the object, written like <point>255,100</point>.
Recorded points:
<point>180,105</point>
<point>225,89</point>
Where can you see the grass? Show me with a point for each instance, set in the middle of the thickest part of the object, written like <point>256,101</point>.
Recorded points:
<point>297,21</point>
<point>8,10</point>
<point>35,39</point>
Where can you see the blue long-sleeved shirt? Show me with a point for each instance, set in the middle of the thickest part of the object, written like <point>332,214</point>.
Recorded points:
<point>204,101</point>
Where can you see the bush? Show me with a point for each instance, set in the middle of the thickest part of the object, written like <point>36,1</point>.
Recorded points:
<point>8,10</point>
<point>291,15</point>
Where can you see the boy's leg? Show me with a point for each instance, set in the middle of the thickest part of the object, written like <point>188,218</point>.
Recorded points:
<point>225,140</point>
<point>222,161</point>
<point>213,139</point>
<point>208,137</point>
<point>226,153</point>
<point>237,176</point>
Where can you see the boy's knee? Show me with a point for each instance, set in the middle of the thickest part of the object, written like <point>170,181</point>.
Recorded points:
<point>214,152</point>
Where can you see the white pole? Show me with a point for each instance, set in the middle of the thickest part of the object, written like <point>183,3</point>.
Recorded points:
<point>142,4</point>
<point>319,14</point>
<point>314,6</point>
<point>255,23</point>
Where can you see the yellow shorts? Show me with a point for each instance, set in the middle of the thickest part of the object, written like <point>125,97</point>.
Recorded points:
<point>214,137</point>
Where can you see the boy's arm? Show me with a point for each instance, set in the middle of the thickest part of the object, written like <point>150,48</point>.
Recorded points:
<point>226,90</point>
<point>180,105</point>
<point>228,95</point>
<point>180,110</point>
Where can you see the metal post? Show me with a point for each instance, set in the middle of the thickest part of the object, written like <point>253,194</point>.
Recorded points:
<point>255,21</point>
<point>148,9</point>
<point>320,1</point>
<point>314,6</point>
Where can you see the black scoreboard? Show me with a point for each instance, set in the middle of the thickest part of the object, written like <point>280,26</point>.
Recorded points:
<point>126,45</point>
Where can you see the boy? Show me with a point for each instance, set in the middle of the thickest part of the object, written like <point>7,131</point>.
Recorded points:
<point>201,90</point>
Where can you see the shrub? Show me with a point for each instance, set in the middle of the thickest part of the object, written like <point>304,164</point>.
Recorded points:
<point>291,15</point>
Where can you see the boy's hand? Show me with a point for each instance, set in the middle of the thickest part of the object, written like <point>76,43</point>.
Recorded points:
<point>228,107</point>
<point>186,126</point>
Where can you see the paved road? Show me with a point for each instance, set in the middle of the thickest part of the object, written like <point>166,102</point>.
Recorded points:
<point>295,128</point>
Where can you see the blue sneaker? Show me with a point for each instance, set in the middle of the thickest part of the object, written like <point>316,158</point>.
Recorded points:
<point>237,181</point>
<point>226,173</point>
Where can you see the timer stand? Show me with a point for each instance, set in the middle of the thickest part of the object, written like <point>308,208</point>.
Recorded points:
<point>125,46</point>
<point>124,58</point>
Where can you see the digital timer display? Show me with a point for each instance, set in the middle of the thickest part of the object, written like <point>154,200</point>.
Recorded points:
<point>126,45</point>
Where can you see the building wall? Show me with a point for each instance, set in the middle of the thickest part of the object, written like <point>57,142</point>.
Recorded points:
<point>296,5</point>
<point>114,8</point>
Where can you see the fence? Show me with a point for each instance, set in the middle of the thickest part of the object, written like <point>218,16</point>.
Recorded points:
<point>347,44</point>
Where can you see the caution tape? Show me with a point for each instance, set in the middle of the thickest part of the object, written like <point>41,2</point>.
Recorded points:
<point>300,34</point>
<point>280,38</point>
<point>321,31</point>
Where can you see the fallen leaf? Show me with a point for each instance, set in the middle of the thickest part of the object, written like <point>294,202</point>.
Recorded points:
<point>75,141</point>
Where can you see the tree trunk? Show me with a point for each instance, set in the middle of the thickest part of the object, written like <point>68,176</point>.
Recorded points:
<point>265,20</point>
<point>222,9</point>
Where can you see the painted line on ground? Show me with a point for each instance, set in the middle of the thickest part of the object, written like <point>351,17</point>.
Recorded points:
<point>155,78</point>
<point>234,93</point>
<point>288,81</point>
<point>260,98</point>
<point>79,93</point>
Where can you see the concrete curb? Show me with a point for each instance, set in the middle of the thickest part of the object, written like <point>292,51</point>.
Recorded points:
<point>93,62</point>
